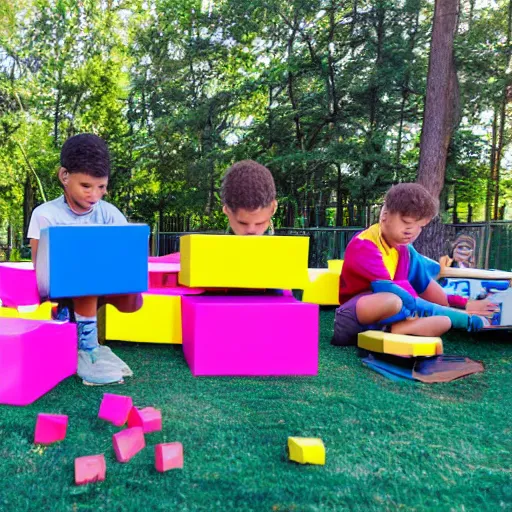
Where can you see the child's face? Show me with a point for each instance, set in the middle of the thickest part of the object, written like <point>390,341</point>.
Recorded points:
<point>82,191</point>
<point>398,229</point>
<point>250,222</point>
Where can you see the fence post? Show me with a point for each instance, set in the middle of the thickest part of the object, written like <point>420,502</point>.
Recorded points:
<point>488,237</point>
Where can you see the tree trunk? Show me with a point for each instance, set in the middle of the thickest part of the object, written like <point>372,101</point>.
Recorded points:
<point>441,101</point>
<point>28,203</point>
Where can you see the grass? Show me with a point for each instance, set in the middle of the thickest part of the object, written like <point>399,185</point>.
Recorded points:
<point>389,446</point>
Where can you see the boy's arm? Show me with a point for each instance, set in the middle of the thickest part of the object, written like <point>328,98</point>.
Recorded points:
<point>435,293</point>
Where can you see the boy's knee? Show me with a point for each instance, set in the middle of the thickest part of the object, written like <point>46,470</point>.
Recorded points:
<point>392,303</point>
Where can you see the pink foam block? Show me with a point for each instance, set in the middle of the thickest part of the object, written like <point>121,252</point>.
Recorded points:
<point>115,408</point>
<point>128,443</point>
<point>91,468</point>
<point>50,428</point>
<point>149,418</point>
<point>168,456</point>
<point>18,285</point>
<point>234,335</point>
<point>34,357</point>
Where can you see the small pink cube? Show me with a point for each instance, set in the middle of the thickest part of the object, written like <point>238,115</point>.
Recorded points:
<point>115,408</point>
<point>91,468</point>
<point>50,428</point>
<point>168,456</point>
<point>128,443</point>
<point>149,418</point>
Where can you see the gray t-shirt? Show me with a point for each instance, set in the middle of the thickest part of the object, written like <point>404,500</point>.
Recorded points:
<point>58,213</point>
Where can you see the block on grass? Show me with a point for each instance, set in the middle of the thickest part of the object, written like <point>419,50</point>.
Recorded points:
<point>78,261</point>
<point>335,265</point>
<point>306,450</point>
<point>115,408</point>
<point>34,357</point>
<point>157,321</point>
<point>400,344</point>
<point>35,312</point>
<point>226,261</point>
<point>248,335</point>
<point>149,418</point>
<point>324,287</point>
<point>128,443</point>
<point>50,428</point>
<point>89,469</point>
<point>18,284</point>
<point>168,456</point>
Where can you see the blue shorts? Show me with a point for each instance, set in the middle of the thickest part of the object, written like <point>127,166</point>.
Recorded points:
<point>347,326</point>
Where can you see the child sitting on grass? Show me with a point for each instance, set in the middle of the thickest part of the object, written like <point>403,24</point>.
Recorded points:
<point>385,282</point>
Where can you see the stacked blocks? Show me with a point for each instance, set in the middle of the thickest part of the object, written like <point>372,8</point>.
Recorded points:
<point>18,285</point>
<point>400,344</point>
<point>224,261</point>
<point>149,418</point>
<point>50,428</point>
<point>157,321</point>
<point>115,408</point>
<point>34,357</point>
<point>91,468</point>
<point>100,254</point>
<point>306,450</point>
<point>247,335</point>
<point>128,443</point>
<point>168,456</point>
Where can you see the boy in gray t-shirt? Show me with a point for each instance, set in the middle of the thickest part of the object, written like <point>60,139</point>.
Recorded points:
<point>84,174</point>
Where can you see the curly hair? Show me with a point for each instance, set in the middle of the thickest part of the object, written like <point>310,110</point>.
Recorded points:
<point>411,200</point>
<point>249,185</point>
<point>86,153</point>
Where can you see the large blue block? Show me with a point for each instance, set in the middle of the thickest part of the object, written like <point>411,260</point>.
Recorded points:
<point>92,260</point>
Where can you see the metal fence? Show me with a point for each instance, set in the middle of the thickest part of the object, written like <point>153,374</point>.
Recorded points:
<point>493,242</point>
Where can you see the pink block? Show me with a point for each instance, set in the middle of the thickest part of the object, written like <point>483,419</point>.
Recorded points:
<point>115,408</point>
<point>235,335</point>
<point>177,290</point>
<point>149,418</point>
<point>34,357</point>
<point>91,468</point>
<point>50,428</point>
<point>168,456</point>
<point>128,443</point>
<point>18,285</point>
<point>173,257</point>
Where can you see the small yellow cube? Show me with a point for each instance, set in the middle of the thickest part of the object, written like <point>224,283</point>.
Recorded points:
<point>324,287</point>
<point>41,312</point>
<point>306,450</point>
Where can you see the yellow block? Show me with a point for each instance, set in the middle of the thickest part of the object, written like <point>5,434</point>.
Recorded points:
<point>335,265</point>
<point>400,344</point>
<point>324,287</point>
<point>229,261</point>
<point>42,312</point>
<point>306,450</point>
<point>157,321</point>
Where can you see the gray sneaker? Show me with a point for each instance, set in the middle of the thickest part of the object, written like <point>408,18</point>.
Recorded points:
<point>95,371</point>
<point>106,354</point>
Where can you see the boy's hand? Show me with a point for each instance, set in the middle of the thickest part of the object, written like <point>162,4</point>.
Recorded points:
<point>483,307</point>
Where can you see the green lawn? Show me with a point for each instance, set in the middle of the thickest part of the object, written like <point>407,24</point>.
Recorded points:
<point>389,446</point>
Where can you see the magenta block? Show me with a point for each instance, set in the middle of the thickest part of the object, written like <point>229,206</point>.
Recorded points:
<point>34,357</point>
<point>115,408</point>
<point>168,456</point>
<point>50,428</point>
<point>149,418</point>
<point>18,285</point>
<point>235,335</point>
<point>91,468</point>
<point>128,443</point>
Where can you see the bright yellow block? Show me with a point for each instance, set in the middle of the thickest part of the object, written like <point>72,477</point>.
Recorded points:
<point>324,287</point>
<point>157,321</point>
<point>335,265</point>
<point>400,344</point>
<point>42,312</point>
<point>306,450</point>
<point>229,261</point>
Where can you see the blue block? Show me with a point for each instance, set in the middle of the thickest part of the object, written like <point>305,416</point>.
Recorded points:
<point>92,260</point>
